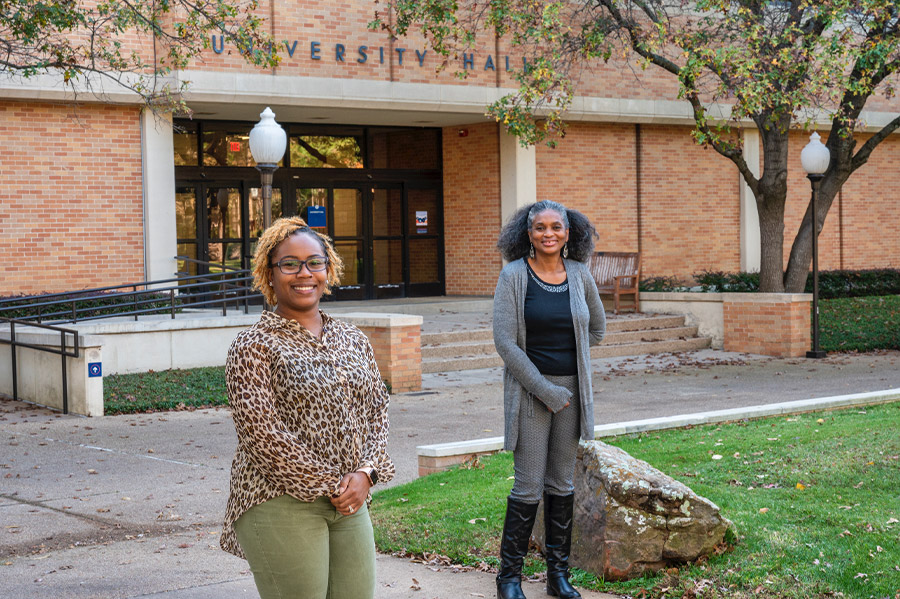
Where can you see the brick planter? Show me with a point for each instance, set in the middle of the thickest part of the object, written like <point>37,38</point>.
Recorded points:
<point>396,341</point>
<point>772,324</point>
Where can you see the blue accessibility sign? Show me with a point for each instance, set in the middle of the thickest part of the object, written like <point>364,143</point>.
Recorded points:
<point>95,369</point>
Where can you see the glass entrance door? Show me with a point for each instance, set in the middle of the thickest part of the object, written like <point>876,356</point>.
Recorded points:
<point>372,226</point>
<point>219,223</point>
<point>348,228</point>
<point>224,239</point>
<point>389,233</point>
<point>386,244</point>
<point>368,234</point>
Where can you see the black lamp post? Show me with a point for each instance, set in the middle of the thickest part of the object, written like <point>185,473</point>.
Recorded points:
<point>267,144</point>
<point>815,158</point>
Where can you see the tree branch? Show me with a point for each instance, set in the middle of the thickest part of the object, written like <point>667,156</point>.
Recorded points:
<point>732,153</point>
<point>692,94</point>
<point>862,156</point>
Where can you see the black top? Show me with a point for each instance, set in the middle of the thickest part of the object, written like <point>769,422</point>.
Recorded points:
<point>549,332</point>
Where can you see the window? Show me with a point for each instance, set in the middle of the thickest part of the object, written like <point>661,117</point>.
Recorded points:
<point>325,151</point>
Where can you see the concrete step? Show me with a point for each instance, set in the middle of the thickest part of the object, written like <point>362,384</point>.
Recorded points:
<point>650,347</point>
<point>480,342</point>
<point>458,349</point>
<point>489,360</point>
<point>460,363</point>
<point>638,323</point>
<point>619,337</point>
<point>617,330</point>
<point>429,339</point>
<point>613,325</point>
<point>474,348</point>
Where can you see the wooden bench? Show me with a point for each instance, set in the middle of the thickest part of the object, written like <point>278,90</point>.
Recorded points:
<point>618,273</point>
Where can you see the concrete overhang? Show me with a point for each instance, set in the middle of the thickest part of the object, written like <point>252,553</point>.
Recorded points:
<point>241,96</point>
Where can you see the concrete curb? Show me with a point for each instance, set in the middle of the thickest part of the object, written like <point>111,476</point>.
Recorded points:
<point>492,444</point>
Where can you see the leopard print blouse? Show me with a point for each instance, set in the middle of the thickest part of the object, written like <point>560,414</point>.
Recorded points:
<point>306,412</point>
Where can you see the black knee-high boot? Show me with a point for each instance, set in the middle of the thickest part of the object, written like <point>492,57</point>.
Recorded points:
<point>558,541</point>
<point>513,547</point>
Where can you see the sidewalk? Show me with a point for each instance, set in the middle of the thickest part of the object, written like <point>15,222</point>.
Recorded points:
<point>131,506</point>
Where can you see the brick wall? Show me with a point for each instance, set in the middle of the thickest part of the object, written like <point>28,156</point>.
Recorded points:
<point>865,215</point>
<point>689,203</point>
<point>71,197</point>
<point>471,209</point>
<point>397,348</point>
<point>593,170</point>
<point>771,324</point>
<point>333,40</point>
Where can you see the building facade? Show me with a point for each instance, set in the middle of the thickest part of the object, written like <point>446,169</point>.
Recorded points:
<point>399,162</point>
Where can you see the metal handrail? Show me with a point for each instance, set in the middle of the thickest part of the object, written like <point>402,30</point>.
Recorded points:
<point>210,289</point>
<point>190,260</point>
<point>62,351</point>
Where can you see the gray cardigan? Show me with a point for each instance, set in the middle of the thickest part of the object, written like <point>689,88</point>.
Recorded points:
<point>520,375</point>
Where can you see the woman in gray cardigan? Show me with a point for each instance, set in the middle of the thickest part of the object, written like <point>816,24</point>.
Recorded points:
<point>547,314</point>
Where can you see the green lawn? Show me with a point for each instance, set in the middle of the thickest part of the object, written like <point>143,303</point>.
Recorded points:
<point>860,323</point>
<point>815,499</point>
<point>164,390</point>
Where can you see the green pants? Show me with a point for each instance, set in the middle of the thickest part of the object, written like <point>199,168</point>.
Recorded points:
<point>300,550</point>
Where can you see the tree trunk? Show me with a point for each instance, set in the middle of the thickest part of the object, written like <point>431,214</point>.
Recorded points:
<point>771,241</point>
<point>770,200</point>
<point>799,263</point>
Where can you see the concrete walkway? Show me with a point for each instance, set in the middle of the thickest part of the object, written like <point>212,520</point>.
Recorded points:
<point>130,506</point>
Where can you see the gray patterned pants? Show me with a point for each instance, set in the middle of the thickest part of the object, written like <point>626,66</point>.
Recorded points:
<point>547,446</point>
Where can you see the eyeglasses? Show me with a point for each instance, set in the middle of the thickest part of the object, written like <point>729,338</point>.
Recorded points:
<point>293,266</point>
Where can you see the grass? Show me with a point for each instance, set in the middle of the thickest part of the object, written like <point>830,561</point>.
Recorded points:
<point>860,323</point>
<point>815,499</point>
<point>164,390</point>
<point>167,390</point>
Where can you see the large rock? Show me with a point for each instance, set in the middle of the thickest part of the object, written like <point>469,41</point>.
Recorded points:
<point>631,518</point>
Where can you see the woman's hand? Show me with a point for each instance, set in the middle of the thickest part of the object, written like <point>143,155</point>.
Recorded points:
<point>352,493</point>
<point>548,407</point>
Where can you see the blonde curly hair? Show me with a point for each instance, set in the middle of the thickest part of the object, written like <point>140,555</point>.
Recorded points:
<point>280,230</point>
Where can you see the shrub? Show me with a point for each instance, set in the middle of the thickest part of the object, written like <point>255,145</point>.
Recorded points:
<point>832,283</point>
<point>662,284</point>
<point>107,303</point>
<point>856,283</point>
<point>718,281</point>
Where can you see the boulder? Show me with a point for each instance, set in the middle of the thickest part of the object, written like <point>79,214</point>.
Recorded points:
<point>631,518</point>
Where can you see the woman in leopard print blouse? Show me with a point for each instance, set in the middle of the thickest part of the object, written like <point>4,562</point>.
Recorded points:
<point>310,411</point>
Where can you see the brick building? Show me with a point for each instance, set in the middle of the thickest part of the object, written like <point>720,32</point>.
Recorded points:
<point>414,180</point>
